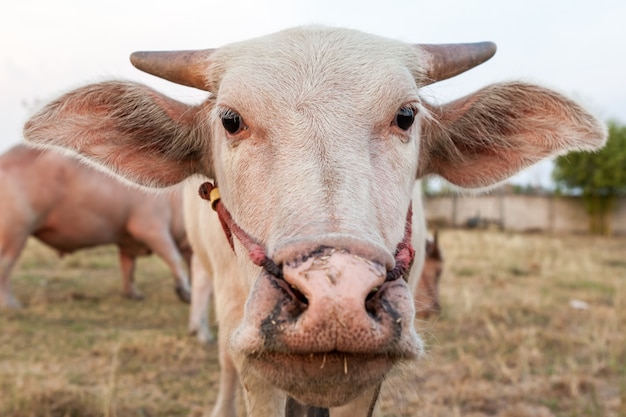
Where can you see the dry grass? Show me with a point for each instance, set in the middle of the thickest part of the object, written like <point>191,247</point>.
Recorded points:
<point>508,343</point>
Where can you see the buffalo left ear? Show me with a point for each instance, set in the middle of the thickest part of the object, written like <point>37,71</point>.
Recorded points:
<point>128,128</point>
<point>490,135</point>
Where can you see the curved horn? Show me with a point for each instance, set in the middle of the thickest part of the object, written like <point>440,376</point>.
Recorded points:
<point>448,60</point>
<point>180,67</point>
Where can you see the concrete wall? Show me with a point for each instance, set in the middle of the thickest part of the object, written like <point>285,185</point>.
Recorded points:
<point>519,212</point>
<point>619,217</point>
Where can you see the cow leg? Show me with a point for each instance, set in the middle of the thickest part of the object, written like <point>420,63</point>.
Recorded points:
<point>7,300</point>
<point>201,293</point>
<point>262,399</point>
<point>163,245</point>
<point>225,404</point>
<point>127,264</point>
<point>10,249</point>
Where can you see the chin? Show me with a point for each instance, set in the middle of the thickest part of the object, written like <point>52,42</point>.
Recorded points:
<point>321,379</point>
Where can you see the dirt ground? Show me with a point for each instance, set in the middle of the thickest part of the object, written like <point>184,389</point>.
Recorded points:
<point>532,326</point>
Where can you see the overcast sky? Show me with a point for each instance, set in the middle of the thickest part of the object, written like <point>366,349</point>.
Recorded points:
<point>47,47</point>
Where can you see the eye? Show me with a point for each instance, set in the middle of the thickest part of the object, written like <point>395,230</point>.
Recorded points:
<point>232,122</point>
<point>404,118</point>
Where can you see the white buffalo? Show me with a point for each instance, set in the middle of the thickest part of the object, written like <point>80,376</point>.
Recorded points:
<point>315,137</point>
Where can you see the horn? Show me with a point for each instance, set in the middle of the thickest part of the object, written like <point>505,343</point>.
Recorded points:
<point>448,60</point>
<point>180,67</point>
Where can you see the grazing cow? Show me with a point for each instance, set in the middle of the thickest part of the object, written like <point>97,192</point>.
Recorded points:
<point>316,137</point>
<point>427,292</point>
<point>69,205</point>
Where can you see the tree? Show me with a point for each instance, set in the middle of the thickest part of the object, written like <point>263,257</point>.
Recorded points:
<point>599,177</point>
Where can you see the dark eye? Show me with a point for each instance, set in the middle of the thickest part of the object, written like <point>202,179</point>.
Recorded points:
<point>232,122</point>
<point>404,118</point>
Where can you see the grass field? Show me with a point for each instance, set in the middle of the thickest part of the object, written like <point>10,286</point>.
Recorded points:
<point>508,343</point>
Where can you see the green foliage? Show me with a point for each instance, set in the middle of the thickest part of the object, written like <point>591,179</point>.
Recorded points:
<point>596,173</point>
<point>529,189</point>
<point>598,176</point>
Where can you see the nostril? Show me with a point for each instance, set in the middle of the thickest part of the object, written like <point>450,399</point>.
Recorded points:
<point>373,303</point>
<point>372,294</point>
<point>298,295</point>
<point>298,302</point>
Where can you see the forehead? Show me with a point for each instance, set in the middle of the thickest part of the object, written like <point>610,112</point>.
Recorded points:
<point>317,65</point>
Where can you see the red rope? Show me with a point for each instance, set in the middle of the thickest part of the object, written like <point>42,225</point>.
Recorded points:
<point>404,252</point>
<point>255,251</point>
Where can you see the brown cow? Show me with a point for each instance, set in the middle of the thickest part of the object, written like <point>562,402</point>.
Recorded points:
<point>316,137</point>
<point>69,205</point>
<point>427,292</point>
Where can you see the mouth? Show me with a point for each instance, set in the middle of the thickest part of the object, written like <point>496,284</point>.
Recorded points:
<point>325,379</point>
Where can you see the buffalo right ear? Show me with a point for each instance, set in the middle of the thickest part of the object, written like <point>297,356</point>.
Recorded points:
<point>486,137</point>
<point>132,130</point>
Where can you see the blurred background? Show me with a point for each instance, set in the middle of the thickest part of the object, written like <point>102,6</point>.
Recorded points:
<point>533,273</point>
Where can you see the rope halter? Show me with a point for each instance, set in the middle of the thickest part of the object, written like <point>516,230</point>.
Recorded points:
<point>208,191</point>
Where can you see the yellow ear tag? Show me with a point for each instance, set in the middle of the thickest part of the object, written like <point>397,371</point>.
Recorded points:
<point>214,197</point>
